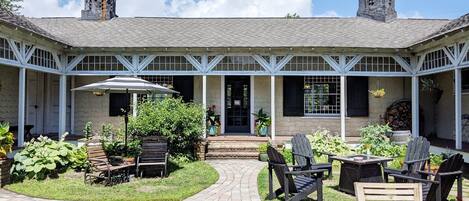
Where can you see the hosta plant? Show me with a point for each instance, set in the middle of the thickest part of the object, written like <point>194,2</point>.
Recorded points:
<point>45,157</point>
<point>6,140</point>
<point>374,141</point>
<point>323,141</point>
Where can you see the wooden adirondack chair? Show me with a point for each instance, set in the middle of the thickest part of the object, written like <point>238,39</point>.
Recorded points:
<point>439,188</point>
<point>303,155</point>
<point>154,154</point>
<point>417,155</point>
<point>101,169</point>
<point>298,184</point>
<point>388,191</point>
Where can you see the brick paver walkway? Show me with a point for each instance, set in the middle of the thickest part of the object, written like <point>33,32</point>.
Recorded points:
<point>10,196</point>
<point>238,181</point>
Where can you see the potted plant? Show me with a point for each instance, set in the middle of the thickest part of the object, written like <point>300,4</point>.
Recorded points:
<point>6,143</point>
<point>263,152</point>
<point>378,93</point>
<point>263,122</point>
<point>433,88</point>
<point>213,121</point>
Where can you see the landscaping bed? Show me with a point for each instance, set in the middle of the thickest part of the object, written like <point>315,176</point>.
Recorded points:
<point>185,180</point>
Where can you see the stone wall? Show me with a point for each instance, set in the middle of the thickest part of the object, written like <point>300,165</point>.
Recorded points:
<point>9,94</point>
<point>95,109</point>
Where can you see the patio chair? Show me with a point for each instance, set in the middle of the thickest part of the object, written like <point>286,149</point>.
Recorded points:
<point>303,155</point>
<point>417,155</point>
<point>154,154</point>
<point>100,169</point>
<point>388,191</point>
<point>297,184</point>
<point>439,188</point>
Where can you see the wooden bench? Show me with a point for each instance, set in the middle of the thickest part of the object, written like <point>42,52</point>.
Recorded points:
<point>388,191</point>
<point>100,170</point>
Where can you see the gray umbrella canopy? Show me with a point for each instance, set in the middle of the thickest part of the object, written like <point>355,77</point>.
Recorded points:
<point>126,85</point>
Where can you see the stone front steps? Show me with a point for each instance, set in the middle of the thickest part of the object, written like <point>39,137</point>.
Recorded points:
<point>234,147</point>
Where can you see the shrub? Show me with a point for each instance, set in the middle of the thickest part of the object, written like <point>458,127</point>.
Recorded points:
<point>106,133</point>
<point>88,130</point>
<point>117,148</point>
<point>263,148</point>
<point>436,159</point>
<point>44,157</point>
<point>322,141</point>
<point>79,159</point>
<point>6,140</point>
<point>181,123</point>
<point>288,155</point>
<point>374,139</point>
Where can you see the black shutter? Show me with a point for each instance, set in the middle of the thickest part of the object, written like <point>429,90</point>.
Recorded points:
<point>465,79</point>
<point>118,103</point>
<point>293,96</point>
<point>185,86</point>
<point>357,97</point>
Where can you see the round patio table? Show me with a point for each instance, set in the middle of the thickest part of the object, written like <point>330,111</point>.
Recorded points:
<point>360,168</point>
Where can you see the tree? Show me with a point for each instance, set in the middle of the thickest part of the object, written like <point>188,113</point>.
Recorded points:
<point>11,5</point>
<point>292,16</point>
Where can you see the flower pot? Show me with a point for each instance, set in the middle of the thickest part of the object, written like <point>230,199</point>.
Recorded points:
<point>212,130</point>
<point>129,160</point>
<point>263,131</point>
<point>5,166</point>
<point>263,157</point>
<point>401,137</point>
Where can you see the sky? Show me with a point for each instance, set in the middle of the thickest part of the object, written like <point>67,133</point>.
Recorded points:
<point>440,9</point>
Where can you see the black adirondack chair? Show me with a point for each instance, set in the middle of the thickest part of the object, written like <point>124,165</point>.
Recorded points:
<point>154,154</point>
<point>297,184</point>
<point>439,188</point>
<point>303,155</point>
<point>417,155</point>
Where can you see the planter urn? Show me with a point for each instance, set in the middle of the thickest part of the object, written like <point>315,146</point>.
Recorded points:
<point>5,166</point>
<point>263,131</point>
<point>212,130</point>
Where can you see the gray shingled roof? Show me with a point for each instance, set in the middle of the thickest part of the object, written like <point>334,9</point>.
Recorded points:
<point>21,22</point>
<point>240,32</point>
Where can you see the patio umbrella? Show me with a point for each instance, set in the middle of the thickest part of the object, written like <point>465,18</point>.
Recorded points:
<point>125,85</point>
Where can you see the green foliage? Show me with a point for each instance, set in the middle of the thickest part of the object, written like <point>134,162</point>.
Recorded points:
<point>292,16</point>
<point>288,155</point>
<point>106,133</point>
<point>45,157</point>
<point>179,122</point>
<point>79,159</point>
<point>212,118</point>
<point>436,159</point>
<point>262,119</point>
<point>117,148</point>
<point>374,139</point>
<point>323,141</point>
<point>11,5</point>
<point>263,148</point>
<point>6,140</point>
<point>88,130</point>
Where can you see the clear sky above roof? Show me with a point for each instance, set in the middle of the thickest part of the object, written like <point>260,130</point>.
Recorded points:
<point>247,8</point>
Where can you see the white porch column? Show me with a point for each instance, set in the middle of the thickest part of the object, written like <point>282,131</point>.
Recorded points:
<point>134,105</point>
<point>222,104</point>
<point>272,105</point>
<point>415,106</point>
<point>251,104</point>
<point>342,107</point>
<point>457,108</point>
<point>72,105</point>
<point>204,101</point>
<point>62,104</point>
<point>21,105</point>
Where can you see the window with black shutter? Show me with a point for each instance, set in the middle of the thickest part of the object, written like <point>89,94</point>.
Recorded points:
<point>118,103</point>
<point>293,96</point>
<point>357,98</point>
<point>185,86</point>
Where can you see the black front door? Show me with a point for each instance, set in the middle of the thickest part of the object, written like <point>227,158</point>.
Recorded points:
<point>237,104</point>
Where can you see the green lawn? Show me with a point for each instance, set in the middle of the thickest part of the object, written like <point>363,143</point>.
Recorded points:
<point>330,191</point>
<point>184,181</point>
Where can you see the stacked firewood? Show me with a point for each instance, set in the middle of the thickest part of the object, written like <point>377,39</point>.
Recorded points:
<point>399,115</point>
